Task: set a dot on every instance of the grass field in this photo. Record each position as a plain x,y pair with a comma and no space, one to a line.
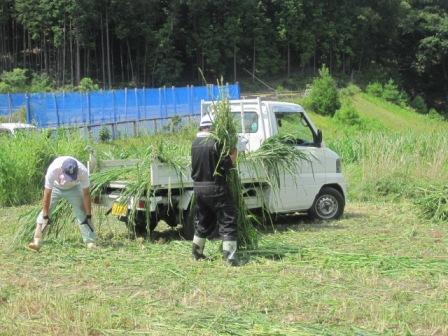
381,270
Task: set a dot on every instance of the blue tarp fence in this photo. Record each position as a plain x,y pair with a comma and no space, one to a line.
62,109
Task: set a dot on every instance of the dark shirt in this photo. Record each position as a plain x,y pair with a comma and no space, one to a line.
205,157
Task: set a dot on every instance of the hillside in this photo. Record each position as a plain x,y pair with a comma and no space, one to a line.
388,116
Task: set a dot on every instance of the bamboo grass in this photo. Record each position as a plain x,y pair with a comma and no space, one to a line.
61,225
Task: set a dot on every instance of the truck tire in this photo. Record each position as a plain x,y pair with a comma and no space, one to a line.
329,204
139,225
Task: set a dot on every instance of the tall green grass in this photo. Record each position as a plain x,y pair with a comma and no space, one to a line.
24,159
388,166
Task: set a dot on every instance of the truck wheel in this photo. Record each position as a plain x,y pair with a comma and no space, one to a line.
329,204
188,224
139,225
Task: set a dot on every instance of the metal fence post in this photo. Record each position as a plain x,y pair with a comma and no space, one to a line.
136,125
10,107
173,91
114,125
160,103
164,99
89,110
144,102
28,108
58,121
126,103
89,113
190,99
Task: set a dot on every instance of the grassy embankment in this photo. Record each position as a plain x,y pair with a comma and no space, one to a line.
382,269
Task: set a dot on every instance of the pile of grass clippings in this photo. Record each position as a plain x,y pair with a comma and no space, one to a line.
433,200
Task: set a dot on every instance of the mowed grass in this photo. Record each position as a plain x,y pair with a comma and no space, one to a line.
381,270
387,117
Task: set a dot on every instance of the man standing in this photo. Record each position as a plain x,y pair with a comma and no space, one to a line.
67,178
214,203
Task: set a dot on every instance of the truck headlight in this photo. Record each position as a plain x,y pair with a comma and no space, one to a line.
338,166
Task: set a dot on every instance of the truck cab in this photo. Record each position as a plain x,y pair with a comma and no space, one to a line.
318,185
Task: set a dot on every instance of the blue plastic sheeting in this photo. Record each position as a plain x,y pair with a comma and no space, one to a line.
11,103
94,108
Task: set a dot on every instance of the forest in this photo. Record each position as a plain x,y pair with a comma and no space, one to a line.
154,43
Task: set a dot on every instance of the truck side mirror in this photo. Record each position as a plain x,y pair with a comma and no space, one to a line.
318,138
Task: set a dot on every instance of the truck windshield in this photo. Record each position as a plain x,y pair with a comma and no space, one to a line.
294,124
250,122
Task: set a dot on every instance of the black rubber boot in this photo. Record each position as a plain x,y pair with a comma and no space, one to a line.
230,258
229,249
196,252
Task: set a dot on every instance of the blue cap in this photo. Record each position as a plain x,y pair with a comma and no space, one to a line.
70,169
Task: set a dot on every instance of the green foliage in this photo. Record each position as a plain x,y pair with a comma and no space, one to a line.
104,134
433,114
24,160
392,94
41,83
418,103
349,91
150,43
174,125
18,116
389,92
375,89
18,80
324,97
14,81
391,166
348,115
87,84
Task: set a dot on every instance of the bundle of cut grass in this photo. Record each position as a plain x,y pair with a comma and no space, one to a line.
276,157
433,201
61,224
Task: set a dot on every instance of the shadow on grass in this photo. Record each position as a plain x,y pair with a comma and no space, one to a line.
275,251
296,222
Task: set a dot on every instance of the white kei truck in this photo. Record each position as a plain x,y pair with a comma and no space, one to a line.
316,187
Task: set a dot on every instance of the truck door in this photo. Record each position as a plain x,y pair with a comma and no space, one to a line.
297,191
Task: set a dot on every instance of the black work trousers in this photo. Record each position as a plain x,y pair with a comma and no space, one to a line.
215,206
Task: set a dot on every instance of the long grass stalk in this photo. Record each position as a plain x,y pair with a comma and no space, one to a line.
61,225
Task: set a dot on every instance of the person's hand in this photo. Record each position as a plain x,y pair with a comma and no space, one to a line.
233,156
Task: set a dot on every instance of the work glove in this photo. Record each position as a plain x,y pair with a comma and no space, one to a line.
43,221
42,224
241,144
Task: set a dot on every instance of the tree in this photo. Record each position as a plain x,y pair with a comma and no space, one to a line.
324,97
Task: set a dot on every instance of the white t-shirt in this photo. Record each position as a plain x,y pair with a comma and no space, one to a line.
55,176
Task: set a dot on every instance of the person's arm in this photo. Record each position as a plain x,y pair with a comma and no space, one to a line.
46,202
87,201
233,156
